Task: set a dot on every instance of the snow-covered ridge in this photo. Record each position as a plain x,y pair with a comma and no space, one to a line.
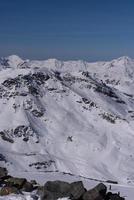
68,116
15,60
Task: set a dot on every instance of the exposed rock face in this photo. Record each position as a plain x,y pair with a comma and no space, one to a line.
22,131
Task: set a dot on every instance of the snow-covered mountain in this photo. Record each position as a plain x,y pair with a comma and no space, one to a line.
74,117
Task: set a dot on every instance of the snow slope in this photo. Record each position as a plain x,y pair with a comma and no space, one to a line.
71,116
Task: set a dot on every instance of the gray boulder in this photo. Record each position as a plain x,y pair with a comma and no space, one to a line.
3,172
53,190
60,187
77,190
97,193
45,194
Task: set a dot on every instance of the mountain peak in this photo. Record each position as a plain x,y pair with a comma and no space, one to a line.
124,58
14,59
11,61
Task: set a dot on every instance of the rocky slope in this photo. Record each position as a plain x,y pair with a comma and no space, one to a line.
72,116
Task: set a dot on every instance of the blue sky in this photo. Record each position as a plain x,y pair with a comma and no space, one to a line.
67,29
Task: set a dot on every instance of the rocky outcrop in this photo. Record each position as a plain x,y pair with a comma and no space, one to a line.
24,132
52,190
10,184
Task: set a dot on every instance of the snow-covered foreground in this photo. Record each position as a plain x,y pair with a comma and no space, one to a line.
23,197
72,116
17,197
126,191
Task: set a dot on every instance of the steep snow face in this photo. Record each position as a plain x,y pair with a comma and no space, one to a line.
74,117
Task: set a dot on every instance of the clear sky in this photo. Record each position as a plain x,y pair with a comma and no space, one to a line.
67,29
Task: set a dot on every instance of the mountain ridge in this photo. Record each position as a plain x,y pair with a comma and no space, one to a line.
15,59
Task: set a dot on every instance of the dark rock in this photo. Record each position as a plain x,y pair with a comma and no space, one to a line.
86,101
77,190
33,90
58,186
111,181
33,182
23,131
27,187
58,189
120,101
57,75
6,137
52,89
16,182
9,83
8,190
102,189
20,131
102,88
3,158
115,196
37,113
86,74
109,117
3,180
25,139
45,194
3,172
97,193
42,165
40,77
